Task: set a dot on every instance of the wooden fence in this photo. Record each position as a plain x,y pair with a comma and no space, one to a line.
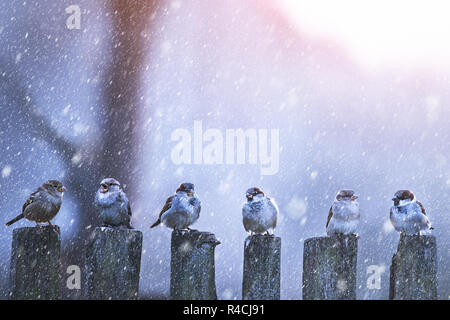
113,258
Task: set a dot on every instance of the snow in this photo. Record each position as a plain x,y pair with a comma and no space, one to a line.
231,65
6,171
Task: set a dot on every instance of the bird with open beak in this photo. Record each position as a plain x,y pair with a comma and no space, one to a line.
259,213
113,205
343,217
181,209
408,215
43,204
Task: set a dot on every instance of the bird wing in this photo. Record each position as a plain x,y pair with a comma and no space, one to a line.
123,197
422,208
246,213
273,206
129,209
247,223
167,206
330,214
195,202
199,208
30,199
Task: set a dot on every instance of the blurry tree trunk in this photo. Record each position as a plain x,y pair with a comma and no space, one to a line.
130,35
115,155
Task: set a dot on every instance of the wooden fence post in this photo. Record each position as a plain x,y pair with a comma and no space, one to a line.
414,269
192,269
35,263
113,262
261,277
329,268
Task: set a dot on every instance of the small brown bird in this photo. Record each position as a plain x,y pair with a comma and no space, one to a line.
259,213
343,217
181,209
113,205
43,204
408,215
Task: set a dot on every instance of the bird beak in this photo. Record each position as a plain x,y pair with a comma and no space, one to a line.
62,189
394,199
353,198
249,196
104,188
190,194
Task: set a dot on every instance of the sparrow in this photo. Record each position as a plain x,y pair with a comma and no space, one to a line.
259,213
113,205
408,215
181,209
343,217
43,204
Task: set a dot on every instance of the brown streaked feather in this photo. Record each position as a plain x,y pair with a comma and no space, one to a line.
129,209
166,207
330,214
30,200
422,208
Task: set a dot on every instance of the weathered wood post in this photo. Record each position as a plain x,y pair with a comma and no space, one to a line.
262,258
113,263
192,269
35,263
329,268
414,269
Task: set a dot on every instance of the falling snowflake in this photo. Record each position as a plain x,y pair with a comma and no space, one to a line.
6,171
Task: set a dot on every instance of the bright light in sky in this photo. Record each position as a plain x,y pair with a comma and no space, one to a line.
404,33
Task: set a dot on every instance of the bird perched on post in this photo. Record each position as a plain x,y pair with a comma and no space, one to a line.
113,205
259,213
181,209
343,217
408,215
43,204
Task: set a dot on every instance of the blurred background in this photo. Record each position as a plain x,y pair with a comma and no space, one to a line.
358,92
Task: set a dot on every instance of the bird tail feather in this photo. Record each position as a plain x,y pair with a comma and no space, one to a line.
156,223
20,216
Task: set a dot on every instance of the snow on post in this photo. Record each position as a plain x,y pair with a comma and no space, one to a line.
329,268
35,263
414,269
262,258
113,262
192,269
